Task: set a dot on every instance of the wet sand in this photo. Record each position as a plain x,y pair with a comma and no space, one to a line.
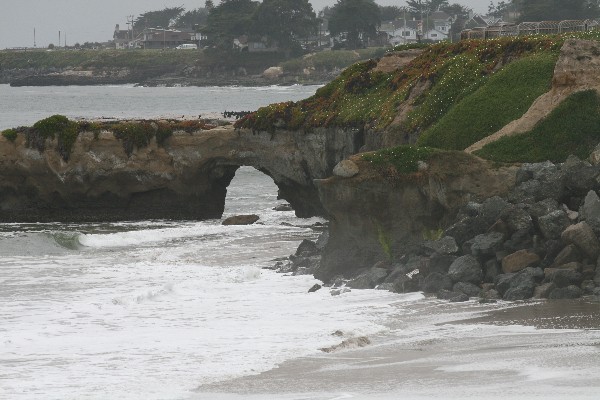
544,350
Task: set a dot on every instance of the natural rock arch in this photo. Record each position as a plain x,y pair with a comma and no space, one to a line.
184,178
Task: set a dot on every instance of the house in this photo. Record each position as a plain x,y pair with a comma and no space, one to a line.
159,38
121,38
442,23
242,43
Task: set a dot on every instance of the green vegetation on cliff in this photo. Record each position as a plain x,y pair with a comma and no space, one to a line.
572,128
504,97
425,89
133,134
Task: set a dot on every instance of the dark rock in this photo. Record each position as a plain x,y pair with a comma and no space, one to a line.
582,236
445,245
566,277
466,228
567,255
519,260
315,287
435,281
580,176
491,270
553,224
542,208
322,240
503,282
441,263
551,249
588,272
465,269
543,291
521,288
241,220
517,219
369,279
453,297
283,207
410,282
588,287
487,244
467,288
307,248
569,292
492,208
519,240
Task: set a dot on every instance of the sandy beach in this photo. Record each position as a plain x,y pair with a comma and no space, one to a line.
438,350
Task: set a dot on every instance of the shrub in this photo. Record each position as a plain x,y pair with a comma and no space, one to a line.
133,134
404,159
10,134
56,126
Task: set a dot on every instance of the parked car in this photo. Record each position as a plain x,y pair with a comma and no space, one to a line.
187,46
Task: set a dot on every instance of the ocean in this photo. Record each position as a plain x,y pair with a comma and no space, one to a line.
153,309
170,310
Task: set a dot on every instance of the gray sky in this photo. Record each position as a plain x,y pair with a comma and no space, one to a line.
95,20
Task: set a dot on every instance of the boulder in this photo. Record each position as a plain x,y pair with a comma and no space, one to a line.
283,207
594,158
490,270
241,220
565,277
369,279
518,286
519,240
445,245
519,260
273,72
569,292
307,248
435,281
543,291
467,288
346,169
582,236
441,263
465,269
567,255
492,208
542,208
588,287
453,297
591,206
553,224
486,245
517,219
322,240
314,288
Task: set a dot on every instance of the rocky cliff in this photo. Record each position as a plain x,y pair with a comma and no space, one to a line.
185,177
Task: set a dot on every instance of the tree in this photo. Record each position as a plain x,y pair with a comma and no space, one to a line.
285,21
556,10
153,19
425,6
457,10
356,18
188,19
209,5
228,20
390,13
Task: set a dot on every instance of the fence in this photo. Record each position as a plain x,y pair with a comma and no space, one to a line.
531,28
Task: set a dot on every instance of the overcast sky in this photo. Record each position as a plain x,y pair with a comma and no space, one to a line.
95,20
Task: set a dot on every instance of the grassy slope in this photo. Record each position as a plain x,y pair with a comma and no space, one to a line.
504,97
572,128
362,96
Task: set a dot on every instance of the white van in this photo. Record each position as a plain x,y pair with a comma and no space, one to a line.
187,46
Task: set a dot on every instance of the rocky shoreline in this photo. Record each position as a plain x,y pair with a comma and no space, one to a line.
539,240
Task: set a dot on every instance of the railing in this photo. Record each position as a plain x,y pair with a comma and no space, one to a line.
531,28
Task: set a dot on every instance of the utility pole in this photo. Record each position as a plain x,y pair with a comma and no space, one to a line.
58,38
34,43
130,28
